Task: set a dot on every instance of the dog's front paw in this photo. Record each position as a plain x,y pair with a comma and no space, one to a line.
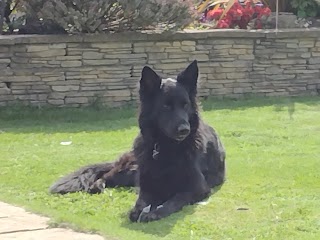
97,187
149,217
134,214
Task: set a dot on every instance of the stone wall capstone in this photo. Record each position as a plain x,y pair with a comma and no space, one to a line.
75,71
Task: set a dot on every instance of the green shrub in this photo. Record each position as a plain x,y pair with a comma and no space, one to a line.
91,16
305,8
9,19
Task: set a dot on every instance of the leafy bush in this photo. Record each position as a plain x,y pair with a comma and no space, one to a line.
90,16
81,15
19,14
172,13
8,22
305,8
2,13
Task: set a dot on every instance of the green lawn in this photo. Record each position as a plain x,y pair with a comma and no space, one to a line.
273,170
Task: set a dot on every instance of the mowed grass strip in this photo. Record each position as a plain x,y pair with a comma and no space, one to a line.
273,170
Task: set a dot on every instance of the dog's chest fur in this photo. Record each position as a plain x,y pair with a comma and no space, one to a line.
168,172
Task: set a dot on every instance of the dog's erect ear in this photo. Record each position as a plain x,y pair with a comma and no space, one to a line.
189,77
150,81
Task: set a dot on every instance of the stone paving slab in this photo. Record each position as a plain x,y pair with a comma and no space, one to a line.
50,234
16,223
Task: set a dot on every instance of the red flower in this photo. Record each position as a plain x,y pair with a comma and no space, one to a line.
266,11
258,24
239,15
263,12
214,14
248,11
236,5
235,13
223,24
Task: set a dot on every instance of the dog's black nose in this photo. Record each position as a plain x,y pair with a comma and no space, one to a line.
184,130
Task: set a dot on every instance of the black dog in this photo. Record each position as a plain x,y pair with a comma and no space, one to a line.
179,158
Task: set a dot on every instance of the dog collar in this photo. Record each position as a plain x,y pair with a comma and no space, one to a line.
156,151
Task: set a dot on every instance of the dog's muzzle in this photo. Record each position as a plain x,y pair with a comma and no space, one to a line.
183,131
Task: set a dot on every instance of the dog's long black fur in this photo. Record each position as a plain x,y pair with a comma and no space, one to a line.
178,157
94,178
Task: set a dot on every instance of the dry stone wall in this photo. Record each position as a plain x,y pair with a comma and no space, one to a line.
77,71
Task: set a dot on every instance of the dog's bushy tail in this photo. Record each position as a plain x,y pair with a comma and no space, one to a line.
82,179
94,178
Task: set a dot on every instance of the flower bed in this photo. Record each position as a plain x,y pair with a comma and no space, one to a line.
234,14
53,17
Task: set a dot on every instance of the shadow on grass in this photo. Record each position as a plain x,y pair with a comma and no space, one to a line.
19,119
167,223
279,103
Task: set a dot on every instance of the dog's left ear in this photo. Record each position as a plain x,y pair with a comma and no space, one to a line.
189,77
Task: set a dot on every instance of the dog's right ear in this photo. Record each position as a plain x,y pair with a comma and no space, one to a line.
150,81
189,77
